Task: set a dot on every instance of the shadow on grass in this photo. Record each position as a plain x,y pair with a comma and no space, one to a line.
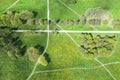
41,50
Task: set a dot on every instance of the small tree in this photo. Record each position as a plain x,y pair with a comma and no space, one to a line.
5,19
33,54
25,14
13,45
11,54
31,22
42,60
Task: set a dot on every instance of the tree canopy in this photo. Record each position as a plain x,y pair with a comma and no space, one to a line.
35,55
11,44
15,19
95,45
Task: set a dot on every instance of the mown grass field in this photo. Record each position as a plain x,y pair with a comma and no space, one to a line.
64,54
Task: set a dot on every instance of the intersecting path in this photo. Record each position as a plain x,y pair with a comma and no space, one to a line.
33,71
77,68
11,6
105,68
74,42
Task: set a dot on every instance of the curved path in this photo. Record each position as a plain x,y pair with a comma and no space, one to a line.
11,6
48,18
76,68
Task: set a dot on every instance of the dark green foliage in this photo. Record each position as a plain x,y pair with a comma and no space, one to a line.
30,22
35,53
11,44
9,20
34,13
15,19
97,44
25,14
41,50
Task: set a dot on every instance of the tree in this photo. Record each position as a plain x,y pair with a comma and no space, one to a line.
11,54
15,22
15,19
30,22
13,45
10,20
5,19
42,60
96,45
26,14
33,54
2,23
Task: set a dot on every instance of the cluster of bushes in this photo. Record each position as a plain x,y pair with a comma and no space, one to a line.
11,44
96,45
28,18
15,48
15,19
35,54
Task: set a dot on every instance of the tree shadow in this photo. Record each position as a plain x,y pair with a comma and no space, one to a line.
47,57
41,50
